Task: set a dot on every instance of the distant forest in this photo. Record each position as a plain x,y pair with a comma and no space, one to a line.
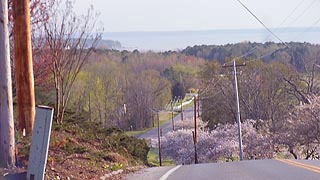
299,55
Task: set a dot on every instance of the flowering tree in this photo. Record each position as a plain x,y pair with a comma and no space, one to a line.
189,124
178,145
220,144
258,144
301,131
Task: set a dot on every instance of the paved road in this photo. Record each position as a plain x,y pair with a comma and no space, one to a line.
245,170
167,127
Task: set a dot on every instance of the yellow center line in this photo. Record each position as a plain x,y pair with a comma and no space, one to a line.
300,165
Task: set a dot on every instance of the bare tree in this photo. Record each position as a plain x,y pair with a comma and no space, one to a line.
7,145
70,39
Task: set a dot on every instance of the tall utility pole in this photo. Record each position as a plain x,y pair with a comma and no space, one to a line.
23,65
195,131
172,115
198,105
181,109
237,105
195,118
7,141
159,139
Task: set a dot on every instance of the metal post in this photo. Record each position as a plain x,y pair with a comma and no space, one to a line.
40,143
237,108
159,139
23,65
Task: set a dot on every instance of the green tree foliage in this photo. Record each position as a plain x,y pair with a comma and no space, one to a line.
182,78
299,55
147,92
121,92
178,91
98,93
262,90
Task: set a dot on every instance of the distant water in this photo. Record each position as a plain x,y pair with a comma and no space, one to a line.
177,40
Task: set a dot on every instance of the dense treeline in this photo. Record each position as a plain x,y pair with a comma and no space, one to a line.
299,55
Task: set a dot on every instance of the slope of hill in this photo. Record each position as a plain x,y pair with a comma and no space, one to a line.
84,150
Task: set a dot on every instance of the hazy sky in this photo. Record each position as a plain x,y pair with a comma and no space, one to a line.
173,15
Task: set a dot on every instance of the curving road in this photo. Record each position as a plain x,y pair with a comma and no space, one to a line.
244,170
188,113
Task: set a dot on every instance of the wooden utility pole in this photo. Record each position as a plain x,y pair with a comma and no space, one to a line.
234,66
23,65
7,141
195,131
195,118
172,115
159,139
181,109
198,105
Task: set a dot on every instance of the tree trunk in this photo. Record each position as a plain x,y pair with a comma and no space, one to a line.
292,152
7,142
57,105
23,65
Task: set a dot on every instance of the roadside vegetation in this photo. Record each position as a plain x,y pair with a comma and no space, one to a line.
103,98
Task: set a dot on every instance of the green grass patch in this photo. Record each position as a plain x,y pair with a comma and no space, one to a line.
178,102
164,117
153,159
189,105
136,133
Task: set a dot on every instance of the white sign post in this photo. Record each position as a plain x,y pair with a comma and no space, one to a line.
40,143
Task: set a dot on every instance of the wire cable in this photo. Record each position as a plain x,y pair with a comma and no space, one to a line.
285,19
262,23
292,12
304,12
308,29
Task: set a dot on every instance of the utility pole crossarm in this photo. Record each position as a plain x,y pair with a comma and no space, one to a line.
237,65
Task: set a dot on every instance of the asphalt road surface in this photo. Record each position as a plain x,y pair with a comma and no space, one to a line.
188,113
245,170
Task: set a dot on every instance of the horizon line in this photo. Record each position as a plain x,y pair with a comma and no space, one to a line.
207,30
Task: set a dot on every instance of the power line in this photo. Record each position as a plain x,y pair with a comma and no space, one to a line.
250,51
292,12
308,29
285,19
304,12
262,23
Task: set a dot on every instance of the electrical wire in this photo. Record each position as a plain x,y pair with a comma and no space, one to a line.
304,12
283,22
285,19
262,23
292,12
308,29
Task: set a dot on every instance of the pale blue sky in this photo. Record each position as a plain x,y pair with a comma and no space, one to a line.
174,15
